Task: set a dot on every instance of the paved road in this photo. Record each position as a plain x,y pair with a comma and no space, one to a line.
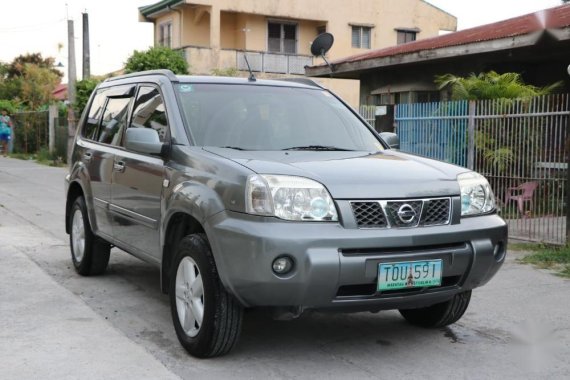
55,324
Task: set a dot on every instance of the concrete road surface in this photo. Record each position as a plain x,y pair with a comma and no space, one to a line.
55,324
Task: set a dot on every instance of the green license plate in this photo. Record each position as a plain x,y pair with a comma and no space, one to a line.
409,274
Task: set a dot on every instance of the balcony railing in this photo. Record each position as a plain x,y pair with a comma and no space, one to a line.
273,62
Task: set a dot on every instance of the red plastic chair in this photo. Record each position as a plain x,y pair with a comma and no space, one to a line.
522,193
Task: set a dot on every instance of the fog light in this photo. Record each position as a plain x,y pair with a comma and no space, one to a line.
499,251
282,265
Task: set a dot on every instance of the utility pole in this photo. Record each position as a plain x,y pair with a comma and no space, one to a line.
71,79
86,52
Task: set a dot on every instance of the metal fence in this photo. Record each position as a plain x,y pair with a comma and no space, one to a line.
31,134
519,145
368,113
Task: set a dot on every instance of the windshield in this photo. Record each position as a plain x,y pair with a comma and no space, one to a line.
253,117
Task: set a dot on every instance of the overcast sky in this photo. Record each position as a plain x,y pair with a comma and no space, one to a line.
40,26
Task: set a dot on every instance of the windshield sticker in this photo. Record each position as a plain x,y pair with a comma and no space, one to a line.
185,88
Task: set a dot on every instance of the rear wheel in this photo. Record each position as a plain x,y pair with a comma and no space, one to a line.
206,318
441,314
89,253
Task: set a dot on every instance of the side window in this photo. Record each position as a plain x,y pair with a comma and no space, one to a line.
114,120
149,112
89,129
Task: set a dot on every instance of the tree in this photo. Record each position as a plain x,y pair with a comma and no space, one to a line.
37,86
157,57
84,88
16,68
490,85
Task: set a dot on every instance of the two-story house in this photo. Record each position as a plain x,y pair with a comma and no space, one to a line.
276,35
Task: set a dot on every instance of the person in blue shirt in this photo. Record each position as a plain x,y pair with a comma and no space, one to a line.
5,131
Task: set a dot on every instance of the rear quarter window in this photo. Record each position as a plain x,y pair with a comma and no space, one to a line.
89,130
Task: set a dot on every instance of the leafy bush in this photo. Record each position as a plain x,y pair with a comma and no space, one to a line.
158,57
8,105
83,89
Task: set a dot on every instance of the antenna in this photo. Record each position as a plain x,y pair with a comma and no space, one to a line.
251,75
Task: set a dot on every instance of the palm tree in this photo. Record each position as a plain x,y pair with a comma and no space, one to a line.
490,85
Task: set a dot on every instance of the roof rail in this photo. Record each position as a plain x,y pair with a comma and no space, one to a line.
167,73
305,81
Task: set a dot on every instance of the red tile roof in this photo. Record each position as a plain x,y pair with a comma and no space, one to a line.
552,18
60,92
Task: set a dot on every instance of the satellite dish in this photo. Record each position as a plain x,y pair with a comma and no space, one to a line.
322,44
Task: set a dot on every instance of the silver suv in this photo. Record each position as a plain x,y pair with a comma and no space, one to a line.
251,193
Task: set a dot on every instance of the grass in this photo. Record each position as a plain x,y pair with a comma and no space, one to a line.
546,257
42,157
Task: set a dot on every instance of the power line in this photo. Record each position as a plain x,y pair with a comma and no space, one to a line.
30,28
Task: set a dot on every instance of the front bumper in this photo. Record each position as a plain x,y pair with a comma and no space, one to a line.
337,267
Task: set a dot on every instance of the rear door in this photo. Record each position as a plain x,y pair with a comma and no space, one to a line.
101,134
137,180
99,164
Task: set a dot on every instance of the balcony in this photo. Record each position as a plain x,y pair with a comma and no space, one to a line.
274,63
203,59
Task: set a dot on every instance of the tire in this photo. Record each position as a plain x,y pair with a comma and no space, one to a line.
89,253
221,314
441,314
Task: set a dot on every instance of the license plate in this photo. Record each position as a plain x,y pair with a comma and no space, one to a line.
409,274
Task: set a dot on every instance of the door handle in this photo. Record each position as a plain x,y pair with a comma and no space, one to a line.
87,156
119,166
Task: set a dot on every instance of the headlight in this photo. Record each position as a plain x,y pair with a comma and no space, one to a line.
476,194
290,198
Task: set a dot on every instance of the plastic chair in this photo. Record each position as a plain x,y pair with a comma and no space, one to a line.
522,193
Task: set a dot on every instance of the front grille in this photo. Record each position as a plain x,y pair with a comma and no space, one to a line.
437,212
393,209
401,213
369,215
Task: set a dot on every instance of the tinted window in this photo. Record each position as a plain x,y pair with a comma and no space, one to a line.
89,129
271,118
114,120
149,112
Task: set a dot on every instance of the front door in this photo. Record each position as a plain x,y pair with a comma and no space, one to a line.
137,181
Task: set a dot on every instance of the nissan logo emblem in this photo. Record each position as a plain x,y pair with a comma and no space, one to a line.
406,214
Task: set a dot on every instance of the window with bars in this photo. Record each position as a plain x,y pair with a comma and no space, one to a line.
165,34
282,37
406,36
361,37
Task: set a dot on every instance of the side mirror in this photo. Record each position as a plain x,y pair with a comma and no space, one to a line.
143,140
391,139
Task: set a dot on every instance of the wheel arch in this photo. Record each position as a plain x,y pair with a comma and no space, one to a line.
179,224
75,191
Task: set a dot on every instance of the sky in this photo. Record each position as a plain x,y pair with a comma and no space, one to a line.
40,26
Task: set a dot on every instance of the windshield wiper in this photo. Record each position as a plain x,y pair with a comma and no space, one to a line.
317,147
232,147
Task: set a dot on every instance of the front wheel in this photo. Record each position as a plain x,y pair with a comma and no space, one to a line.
441,314
89,253
206,318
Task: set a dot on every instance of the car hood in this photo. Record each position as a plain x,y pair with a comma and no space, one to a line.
356,175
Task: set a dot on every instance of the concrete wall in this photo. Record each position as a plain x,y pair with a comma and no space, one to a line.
196,27
229,30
